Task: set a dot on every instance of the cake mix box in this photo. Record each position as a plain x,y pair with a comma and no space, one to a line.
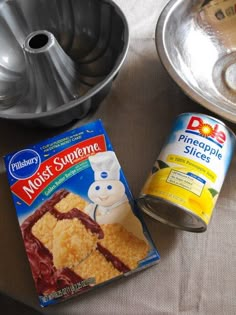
79,222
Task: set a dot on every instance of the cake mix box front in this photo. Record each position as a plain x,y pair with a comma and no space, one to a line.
79,222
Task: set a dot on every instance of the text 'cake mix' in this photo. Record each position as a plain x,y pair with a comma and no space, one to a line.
77,216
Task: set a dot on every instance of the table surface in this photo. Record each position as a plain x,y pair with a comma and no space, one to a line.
197,272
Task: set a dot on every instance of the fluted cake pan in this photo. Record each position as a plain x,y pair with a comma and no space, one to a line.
58,58
196,42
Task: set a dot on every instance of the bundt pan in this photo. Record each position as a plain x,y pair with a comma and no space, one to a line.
58,58
196,42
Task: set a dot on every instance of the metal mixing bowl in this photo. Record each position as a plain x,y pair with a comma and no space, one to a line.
58,58
196,42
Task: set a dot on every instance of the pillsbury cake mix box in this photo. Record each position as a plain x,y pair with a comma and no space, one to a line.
78,219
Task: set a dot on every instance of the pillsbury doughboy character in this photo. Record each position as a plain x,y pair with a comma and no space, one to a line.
109,202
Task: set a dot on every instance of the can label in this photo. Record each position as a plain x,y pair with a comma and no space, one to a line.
192,165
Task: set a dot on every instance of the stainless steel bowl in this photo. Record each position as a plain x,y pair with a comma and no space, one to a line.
196,42
58,58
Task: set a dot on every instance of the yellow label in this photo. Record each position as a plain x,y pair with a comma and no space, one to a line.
182,187
177,159
191,167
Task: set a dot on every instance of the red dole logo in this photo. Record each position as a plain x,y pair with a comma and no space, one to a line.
198,126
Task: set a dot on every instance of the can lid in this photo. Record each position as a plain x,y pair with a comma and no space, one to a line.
171,214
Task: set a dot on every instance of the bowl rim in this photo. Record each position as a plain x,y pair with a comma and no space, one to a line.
163,55
94,90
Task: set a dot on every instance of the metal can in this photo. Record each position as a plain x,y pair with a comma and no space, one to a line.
187,176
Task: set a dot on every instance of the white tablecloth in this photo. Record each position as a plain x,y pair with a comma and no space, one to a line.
197,272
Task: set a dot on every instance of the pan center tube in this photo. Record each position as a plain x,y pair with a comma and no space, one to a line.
53,77
38,41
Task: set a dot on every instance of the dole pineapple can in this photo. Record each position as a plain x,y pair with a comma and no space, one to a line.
189,172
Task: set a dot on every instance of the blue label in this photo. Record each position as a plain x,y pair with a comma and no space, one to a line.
24,164
196,177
